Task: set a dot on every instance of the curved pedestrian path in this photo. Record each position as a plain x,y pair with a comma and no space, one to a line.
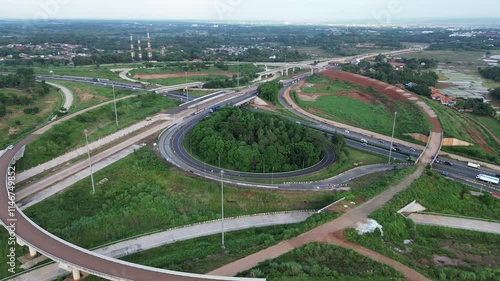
143,243
455,222
68,95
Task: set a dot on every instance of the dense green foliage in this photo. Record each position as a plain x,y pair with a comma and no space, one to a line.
99,122
143,195
491,72
269,91
22,79
202,255
323,262
443,196
256,142
385,72
478,106
495,93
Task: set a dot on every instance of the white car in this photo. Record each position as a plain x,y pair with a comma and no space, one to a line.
10,146
347,131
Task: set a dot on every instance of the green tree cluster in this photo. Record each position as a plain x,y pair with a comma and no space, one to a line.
495,93
256,142
269,91
491,72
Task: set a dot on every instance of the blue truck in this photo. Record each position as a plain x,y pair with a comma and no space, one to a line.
214,109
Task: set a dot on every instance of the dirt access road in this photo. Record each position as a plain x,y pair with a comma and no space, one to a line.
331,233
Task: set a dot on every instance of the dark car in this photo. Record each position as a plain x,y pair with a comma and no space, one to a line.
448,163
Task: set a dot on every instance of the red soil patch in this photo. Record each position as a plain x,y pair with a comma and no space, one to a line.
476,136
358,96
177,75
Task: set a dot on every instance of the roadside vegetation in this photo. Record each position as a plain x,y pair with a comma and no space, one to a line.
456,125
87,95
99,122
323,262
360,107
475,255
205,254
144,195
246,141
24,105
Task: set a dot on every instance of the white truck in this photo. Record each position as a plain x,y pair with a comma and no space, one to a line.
473,165
488,179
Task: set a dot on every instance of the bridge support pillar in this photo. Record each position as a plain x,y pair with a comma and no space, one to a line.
76,274
286,72
32,252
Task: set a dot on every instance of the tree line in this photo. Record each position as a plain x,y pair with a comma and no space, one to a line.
269,91
23,79
256,142
491,72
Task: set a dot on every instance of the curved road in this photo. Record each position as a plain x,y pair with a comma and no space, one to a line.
68,96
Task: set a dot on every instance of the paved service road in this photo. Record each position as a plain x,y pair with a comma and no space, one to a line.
460,223
68,96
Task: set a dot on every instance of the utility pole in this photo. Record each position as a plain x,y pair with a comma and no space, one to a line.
222,205
116,111
187,89
90,162
392,138
238,73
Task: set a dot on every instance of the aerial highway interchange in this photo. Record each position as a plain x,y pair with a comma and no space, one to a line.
76,259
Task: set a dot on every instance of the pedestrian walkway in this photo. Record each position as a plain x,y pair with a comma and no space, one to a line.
68,95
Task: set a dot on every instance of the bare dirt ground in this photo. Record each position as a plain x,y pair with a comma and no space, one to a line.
478,138
177,75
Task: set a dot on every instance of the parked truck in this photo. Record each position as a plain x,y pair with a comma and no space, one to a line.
473,165
488,179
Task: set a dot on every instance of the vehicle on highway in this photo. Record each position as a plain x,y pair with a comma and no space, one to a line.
347,131
364,144
488,179
381,141
96,79
214,109
444,173
10,146
473,165
395,145
364,141
413,149
448,163
411,158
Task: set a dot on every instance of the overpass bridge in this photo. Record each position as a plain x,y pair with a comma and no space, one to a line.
284,69
166,89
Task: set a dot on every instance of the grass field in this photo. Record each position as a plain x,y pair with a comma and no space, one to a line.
455,125
87,95
82,71
478,253
374,117
204,254
143,195
493,125
324,85
99,122
323,262
371,110
16,124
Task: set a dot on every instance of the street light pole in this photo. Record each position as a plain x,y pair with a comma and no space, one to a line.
90,162
222,205
187,89
392,138
238,73
116,111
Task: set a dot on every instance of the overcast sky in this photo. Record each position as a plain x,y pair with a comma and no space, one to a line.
382,11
